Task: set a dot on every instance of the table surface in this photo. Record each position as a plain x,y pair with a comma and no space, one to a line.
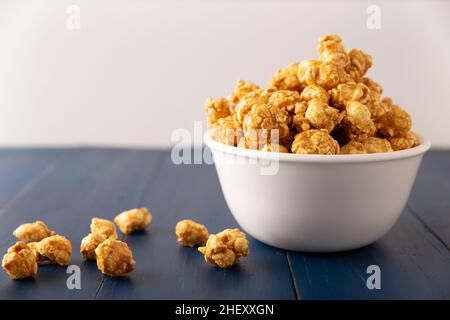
67,187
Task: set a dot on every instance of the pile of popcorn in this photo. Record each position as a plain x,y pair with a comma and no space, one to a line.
326,106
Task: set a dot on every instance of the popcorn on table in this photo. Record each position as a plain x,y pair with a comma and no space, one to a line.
332,93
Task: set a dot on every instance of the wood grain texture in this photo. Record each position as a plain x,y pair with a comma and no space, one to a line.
20,167
167,270
430,197
89,183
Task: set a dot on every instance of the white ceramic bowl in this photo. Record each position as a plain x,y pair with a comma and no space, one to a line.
316,203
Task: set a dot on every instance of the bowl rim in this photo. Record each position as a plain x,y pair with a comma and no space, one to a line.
340,158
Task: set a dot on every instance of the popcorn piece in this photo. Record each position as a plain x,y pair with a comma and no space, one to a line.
322,116
299,121
32,232
55,249
331,49
357,122
114,258
353,147
258,97
286,79
249,144
191,233
409,140
216,109
34,246
396,122
377,145
89,244
315,141
227,130
376,106
266,122
20,261
360,62
326,74
314,91
225,248
104,227
285,100
307,71
241,89
133,220
274,147
346,92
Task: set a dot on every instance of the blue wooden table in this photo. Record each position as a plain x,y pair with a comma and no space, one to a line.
66,187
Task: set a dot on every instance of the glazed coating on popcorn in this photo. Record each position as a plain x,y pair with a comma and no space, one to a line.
216,109
225,248
34,246
114,258
315,141
32,232
274,147
89,244
227,130
133,220
190,233
104,227
55,249
332,93
20,261
376,145
266,122
241,89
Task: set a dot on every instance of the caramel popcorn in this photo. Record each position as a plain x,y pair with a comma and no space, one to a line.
89,244
114,258
225,248
376,145
332,93
133,220
104,227
55,249
191,233
286,79
34,246
32,232
241,89
20,261
315,141
322,116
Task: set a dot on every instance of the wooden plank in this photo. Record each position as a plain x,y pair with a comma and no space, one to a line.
166,270
413,264
430,197
88,183
20,167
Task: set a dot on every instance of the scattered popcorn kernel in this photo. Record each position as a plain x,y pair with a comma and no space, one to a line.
315,141
258,97
357,122
409,140
376,145
349,91
20,261
322,116
133,220
89,244
227,131
34,246
216,109
396,122
104,227
191,233
286,79
114,258
266,122
225,248
360,62
55,249
32,232
274,147
241,89
353,147
331,49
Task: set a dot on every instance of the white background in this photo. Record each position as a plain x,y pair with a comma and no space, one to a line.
137,70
